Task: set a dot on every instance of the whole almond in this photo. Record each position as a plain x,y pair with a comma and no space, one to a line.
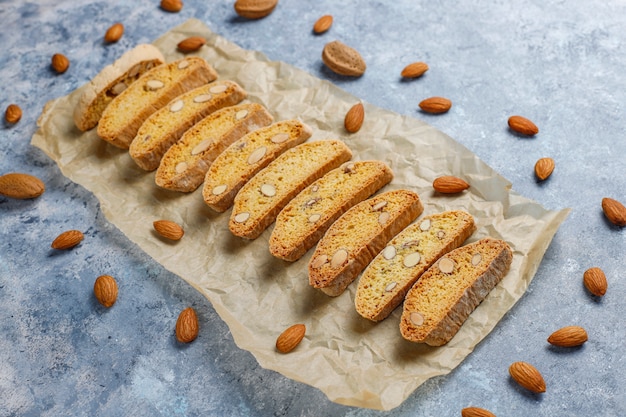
435,105
105,290
476,412
168,229
544,168
21,186
354,118
414,70
449,184
67,239
523,125
255,9
114,33
343,59
569,336
595,281
614,211
290,338
323,24
191,44
13,113
527,376
187,326
60,63
172,6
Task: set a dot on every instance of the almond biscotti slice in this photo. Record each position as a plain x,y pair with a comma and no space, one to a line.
124,115
167,125
357,236
386,280
260,200
303,222
185,164
111,81
247,156
440,302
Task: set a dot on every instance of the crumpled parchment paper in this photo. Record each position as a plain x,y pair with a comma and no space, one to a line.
353,361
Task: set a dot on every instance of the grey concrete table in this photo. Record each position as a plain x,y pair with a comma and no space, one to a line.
559,63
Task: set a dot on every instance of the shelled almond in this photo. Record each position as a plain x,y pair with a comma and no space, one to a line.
21,186
595,281
323,24
187,326
172,6
614,211
354,118
290,338
13,113
527,376
523,125
569,336
414,70
191,44
67,240
60,63
114,33
450,185
105,290
435,105
168,229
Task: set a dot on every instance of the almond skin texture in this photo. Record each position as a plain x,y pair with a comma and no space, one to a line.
168,229
569,336
594,280
21,186
114,33
187,326
105,290
354,118
414,70
476,412
60,63
255,9
544,168
13,113
191,44
323,24
290,338
614,211
343,60
450,185
527,376
67,240
523,125
435,105
172,6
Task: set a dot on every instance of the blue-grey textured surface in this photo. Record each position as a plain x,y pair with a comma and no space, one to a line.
559,63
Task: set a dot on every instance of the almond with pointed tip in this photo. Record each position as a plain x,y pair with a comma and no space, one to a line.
476,412
569,336
168,229
343,59
172,6
323,24
13,113
187,326
449,184
435,105
255,9
523,125
105,290
60,63
614,211
290,338
354,118
414,70
114,33
191,44
67,240
21,186
594,280
527,376
544,168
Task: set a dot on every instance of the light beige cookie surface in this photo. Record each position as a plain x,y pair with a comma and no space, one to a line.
124,115
357,236
260,200
112,81
303,222
186,163
439,303
247,156
167,125
386,280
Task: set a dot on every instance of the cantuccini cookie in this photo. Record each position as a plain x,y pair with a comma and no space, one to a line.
186,163
167,125
247,156
124,115
357,236
386,280
444,297
260,200
111,81
303,222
